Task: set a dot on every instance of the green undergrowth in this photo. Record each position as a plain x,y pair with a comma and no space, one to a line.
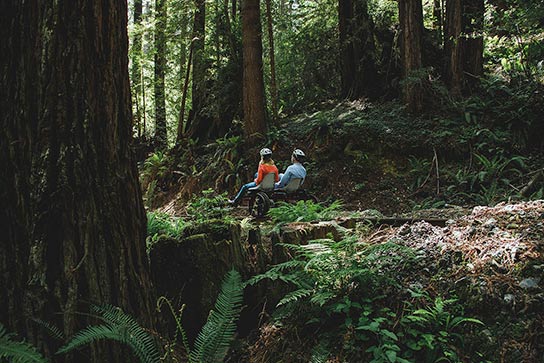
304,211
480,149
208,208
211,345
352,302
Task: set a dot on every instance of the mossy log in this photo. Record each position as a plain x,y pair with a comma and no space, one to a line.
189,270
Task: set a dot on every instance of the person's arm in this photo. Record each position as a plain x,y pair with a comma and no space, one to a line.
277,177
260,174
285,178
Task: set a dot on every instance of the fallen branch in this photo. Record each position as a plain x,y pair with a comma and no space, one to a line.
533,184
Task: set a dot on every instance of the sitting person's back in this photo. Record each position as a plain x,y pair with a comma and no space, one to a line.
294,171
266,166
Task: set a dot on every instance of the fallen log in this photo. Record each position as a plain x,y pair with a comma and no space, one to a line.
534,183
390,221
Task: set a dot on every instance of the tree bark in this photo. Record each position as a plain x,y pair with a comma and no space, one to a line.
77,227
273,85
366,76
437,19
473,20
136,70
160,70
253,84
20,47
357,48
453,48
411,24
345,16
181,117
198,123
463,44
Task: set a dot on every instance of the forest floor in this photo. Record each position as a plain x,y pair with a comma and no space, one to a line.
369,157
379,162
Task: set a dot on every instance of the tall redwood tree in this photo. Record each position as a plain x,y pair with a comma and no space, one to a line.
160,72
411,24
72,206
253,83
357,50
463,43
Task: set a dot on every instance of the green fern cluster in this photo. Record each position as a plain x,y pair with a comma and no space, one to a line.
211,345
216,336
163,224
209,206
120,327
489,181
326,269
155,167
304,211
432,333
17,351
334,285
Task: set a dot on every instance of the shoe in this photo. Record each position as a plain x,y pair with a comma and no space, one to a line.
232,203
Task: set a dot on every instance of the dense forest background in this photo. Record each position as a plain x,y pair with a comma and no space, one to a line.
188,61
125,126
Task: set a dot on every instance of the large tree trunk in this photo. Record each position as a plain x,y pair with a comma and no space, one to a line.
273,86
19,74
463,44
357,48
184,69
411,24
366,76
78,220
347,61
160,70
136,71
253,84
453,48
437,19
473,22
198,123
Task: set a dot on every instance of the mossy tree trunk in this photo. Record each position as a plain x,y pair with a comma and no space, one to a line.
74,212
463,44
411,24
271,55
357,50
136,69
198,122
160,70
253,84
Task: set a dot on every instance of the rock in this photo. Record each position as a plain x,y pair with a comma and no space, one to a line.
529,283
491,223
509,299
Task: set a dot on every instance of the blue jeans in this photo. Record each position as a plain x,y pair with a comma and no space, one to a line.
243,191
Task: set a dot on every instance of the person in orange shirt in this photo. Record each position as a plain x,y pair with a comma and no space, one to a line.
266,165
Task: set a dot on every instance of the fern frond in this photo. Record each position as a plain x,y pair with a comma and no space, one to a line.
120,327
322,297
213,341
294,296
177,318
52,330
17,352
320,354
279,272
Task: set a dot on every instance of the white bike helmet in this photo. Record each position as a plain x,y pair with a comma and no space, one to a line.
265,152
299,154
